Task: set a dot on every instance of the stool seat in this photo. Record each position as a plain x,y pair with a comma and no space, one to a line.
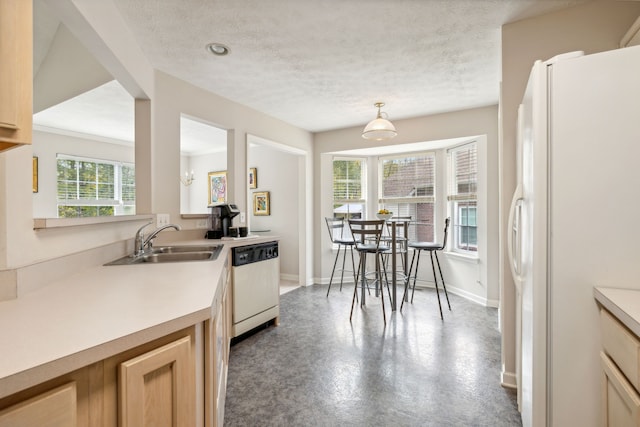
432,248
425,245
371,248
341,241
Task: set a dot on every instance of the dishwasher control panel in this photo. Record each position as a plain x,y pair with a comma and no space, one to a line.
243,255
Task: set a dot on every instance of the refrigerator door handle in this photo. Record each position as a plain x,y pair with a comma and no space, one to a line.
513,236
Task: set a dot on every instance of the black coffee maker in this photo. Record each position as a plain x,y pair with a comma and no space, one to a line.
220,219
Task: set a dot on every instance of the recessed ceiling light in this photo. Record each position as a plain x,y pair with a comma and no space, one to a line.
218,49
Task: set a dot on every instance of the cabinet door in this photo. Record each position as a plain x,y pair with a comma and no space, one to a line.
157,388
621,402
217,339
16,51
55,408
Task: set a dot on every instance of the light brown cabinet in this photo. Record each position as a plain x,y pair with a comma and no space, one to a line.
54,408
16,82
217,343
160,371
160,383
156,389
620,360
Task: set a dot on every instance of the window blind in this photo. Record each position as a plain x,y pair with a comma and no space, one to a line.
464,161
89,187
407,188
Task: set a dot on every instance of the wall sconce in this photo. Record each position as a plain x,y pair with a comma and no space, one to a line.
187,179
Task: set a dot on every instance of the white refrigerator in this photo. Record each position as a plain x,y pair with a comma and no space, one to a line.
571,225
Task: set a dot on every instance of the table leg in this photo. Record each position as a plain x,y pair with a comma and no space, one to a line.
393,268
405,254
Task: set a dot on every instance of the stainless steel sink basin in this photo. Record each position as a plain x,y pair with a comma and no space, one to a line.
164,254
184,249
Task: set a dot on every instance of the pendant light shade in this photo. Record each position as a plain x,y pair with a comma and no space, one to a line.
379,129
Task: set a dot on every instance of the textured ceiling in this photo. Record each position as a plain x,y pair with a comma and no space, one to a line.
321,64
317,65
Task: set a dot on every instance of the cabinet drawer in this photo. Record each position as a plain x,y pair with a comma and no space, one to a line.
55,408
621,402
622,346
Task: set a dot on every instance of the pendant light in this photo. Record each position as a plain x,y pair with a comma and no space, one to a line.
379,129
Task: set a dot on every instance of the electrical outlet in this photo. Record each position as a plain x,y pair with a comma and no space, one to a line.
243,218
162,219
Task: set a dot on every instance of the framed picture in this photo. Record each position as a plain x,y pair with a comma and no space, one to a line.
35,175
253,178
261,203
217,187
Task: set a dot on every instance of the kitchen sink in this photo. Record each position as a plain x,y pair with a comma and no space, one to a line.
184,249
164,254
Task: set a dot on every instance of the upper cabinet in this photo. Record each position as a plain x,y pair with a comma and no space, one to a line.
16,54
632,37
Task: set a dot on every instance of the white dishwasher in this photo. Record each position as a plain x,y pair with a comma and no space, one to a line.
256,286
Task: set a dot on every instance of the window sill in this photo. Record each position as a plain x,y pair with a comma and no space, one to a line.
471,259
48,223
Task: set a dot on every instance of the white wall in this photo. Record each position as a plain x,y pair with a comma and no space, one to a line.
194,199
278,173
474,279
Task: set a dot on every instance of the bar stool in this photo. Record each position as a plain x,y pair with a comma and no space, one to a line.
336,229
433,249
366,236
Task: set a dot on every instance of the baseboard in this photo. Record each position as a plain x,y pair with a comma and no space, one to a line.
325,280
508,380
290,277
422,284
461,293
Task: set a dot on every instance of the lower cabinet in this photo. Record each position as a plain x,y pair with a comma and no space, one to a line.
217,341
157,384
621,400
73,399
156,389
54,408
620,373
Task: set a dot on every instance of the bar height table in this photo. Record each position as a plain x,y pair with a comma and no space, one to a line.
394,279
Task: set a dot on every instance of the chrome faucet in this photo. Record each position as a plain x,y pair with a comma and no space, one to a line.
142,244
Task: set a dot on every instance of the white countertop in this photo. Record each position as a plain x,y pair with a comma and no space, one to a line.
624,304
103,311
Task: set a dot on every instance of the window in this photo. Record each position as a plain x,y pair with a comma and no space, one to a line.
88,187
463,183
348,188
407,188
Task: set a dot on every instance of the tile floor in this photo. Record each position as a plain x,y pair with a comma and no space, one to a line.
319,369
288,286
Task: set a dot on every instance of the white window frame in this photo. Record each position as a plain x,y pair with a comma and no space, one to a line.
117,202
458,201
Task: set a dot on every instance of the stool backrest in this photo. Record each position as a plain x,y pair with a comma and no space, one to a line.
335,227
366,229
446,232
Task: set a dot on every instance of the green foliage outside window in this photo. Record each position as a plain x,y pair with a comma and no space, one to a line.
88,188
347,175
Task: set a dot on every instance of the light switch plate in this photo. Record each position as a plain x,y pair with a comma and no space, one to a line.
242,218
162,219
